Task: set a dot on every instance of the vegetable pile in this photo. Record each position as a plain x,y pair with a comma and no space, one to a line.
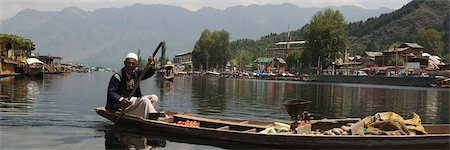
188,123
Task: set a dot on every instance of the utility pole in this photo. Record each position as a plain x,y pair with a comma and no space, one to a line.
318,66
396,60
396,57
240,59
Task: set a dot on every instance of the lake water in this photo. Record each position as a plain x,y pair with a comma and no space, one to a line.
57,112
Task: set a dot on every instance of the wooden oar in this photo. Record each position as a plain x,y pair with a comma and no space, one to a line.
139,80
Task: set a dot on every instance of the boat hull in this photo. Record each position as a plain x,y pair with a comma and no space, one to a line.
435,141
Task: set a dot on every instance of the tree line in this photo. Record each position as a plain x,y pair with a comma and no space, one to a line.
14,42
327,34
212,50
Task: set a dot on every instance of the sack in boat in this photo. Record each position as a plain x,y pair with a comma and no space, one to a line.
388,127
389,122
414,124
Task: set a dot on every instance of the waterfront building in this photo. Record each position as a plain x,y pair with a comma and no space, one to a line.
183,62
183,58
368,58
282,49
52,64
412,54
11,58
270,64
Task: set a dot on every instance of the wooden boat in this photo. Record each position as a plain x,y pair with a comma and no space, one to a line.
167,72
247,131
34,68
8,75
442,83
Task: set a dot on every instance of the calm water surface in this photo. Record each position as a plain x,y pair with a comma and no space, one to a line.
57,112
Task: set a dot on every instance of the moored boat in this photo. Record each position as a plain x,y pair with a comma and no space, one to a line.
167,72
34,68
442,83
248,131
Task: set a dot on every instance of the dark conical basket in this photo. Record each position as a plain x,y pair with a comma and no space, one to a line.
295,108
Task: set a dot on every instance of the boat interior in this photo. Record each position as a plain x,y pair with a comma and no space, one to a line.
242,125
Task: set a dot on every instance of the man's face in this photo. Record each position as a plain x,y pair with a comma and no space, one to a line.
130,64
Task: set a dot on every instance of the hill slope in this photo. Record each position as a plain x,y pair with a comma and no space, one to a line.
396,27
105,35
403,24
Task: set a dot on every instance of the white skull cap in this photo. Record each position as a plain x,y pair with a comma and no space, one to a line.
132,55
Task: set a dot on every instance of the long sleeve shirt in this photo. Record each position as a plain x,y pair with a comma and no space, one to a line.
121,84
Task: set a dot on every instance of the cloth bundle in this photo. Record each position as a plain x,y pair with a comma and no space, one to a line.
390,123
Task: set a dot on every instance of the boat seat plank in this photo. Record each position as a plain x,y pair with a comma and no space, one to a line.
244,122
251,130
224,128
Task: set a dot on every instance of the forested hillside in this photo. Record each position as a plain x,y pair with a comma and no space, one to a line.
379,33
401,25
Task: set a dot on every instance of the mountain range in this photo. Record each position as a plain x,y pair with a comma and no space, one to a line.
105,35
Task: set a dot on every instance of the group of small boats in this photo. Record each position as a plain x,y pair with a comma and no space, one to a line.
442,83
34,67
251,132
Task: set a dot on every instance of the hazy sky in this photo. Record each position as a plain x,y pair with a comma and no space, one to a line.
9,8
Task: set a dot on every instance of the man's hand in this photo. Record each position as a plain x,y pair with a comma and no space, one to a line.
152,61
125,103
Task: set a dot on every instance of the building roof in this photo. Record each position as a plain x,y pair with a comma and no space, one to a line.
281,60
181,54
373,54
291,42
269,59
412,45
48,57
263,59
397,49
33,61
403,47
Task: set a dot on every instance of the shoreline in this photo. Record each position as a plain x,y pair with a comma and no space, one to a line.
376,80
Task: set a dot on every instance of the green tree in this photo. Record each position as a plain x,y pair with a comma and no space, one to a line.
431,40
16,43
141,62
243,57
212,50
396,60
293,59
163,59
373,46
446,58
326,36
199,53
445,37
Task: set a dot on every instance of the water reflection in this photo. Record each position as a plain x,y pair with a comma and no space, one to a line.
18,93
123,140
205,94
166,87
261,99
120,137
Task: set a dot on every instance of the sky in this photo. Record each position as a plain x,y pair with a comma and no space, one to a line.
9,8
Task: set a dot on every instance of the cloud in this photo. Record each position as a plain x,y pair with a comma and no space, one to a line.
9,8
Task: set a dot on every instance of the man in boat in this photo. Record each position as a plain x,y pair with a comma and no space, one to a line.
122,83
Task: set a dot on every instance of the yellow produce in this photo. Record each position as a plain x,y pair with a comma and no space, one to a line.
281,127
268,130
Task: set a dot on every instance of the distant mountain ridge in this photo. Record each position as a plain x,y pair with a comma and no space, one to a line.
105,35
